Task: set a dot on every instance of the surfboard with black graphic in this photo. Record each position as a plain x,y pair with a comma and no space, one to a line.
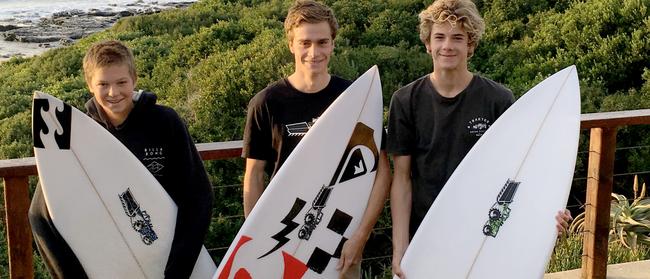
112,212
495,216
316,200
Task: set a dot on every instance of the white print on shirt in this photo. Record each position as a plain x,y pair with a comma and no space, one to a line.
299,129
478,126
155,155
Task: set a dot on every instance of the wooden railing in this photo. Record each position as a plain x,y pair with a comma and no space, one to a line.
602,145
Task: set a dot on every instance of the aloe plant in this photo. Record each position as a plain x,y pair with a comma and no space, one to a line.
629,222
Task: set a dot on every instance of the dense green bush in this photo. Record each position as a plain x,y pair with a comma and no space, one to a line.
208,60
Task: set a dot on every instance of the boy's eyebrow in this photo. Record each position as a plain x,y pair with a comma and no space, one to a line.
451,35
119,79
316,39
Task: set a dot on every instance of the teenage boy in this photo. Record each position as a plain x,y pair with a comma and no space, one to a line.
302,97
428,126
144,128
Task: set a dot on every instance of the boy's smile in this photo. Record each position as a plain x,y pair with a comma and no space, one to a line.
312,47
112,86
449,47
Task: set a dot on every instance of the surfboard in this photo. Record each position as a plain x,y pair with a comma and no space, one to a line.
494,218
317,199
112,212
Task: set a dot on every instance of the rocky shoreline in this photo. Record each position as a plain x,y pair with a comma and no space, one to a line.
26,39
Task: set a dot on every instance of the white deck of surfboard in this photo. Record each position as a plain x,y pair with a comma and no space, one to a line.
534,142
310,166
81,187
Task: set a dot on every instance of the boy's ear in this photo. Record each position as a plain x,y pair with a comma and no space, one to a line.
470,50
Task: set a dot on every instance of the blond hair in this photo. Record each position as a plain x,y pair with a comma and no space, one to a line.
108,53
310,12
463,12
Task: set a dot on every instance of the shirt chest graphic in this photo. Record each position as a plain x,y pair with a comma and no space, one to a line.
477,126
299,129
154,159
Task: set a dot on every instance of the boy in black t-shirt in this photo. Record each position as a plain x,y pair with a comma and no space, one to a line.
282,113
145,128
435,120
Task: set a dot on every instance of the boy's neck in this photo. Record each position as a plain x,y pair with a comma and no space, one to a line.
309,83
450,83
117,119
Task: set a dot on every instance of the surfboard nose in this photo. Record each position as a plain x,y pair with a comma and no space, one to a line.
40,95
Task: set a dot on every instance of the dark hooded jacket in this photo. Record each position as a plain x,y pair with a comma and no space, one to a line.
156,135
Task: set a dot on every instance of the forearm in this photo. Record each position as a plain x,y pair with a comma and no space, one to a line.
378,195
253,185
400,202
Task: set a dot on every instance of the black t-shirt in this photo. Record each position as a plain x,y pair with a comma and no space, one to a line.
438,132
280,115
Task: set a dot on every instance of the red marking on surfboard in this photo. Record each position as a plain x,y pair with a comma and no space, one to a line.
293,268
241,272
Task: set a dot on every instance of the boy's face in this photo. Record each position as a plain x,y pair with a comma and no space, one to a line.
112,86
312,47
449,47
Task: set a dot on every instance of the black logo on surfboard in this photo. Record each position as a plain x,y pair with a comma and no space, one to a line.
140,220
500,210
41,129
351,165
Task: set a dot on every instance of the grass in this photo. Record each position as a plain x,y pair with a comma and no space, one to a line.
568,254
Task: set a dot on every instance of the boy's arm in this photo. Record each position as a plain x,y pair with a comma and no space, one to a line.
400,204
353,247
253,183
57,255
194,197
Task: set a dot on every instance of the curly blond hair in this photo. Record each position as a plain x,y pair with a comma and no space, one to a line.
463,12
310,12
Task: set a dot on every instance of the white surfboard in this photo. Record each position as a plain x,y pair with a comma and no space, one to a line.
494,218
317,199
114,215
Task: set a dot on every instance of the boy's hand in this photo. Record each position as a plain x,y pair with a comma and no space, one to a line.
397,270
563,219
351,253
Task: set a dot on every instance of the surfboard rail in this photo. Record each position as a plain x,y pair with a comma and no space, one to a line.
603,126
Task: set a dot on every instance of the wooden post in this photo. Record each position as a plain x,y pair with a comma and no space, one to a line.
602,145
19,234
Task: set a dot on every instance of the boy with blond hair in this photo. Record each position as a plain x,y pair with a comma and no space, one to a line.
157,136
435,120
301,98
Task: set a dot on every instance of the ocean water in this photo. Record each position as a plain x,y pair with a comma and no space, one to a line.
29,11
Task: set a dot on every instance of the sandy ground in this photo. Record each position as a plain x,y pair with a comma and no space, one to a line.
10,49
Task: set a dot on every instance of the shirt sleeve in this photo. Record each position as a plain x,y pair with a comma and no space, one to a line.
257,143
55,252
401,133
505,103
193,195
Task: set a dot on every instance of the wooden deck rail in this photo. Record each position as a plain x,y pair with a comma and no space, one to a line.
603,126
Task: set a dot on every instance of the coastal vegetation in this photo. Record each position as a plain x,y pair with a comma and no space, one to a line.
208,60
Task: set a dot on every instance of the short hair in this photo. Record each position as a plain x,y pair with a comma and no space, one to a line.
310,12
108,53
463,12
